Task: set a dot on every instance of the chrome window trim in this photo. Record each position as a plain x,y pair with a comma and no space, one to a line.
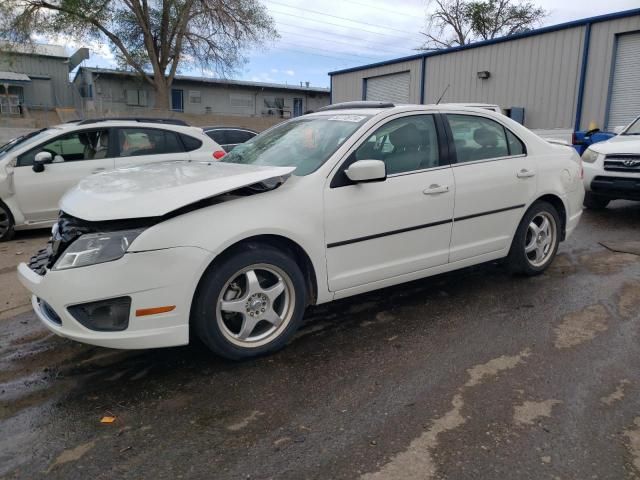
486,160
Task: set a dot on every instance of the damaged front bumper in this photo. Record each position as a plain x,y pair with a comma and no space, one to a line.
150,279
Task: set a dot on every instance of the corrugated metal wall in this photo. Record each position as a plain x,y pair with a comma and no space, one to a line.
539,73
58,94
348,86
599,68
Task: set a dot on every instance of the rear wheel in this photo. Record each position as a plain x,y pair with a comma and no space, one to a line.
250,303
6,223
595,202
536,241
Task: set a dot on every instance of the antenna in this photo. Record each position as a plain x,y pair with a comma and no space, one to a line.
445,91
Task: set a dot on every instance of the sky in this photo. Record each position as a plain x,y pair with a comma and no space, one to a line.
316,38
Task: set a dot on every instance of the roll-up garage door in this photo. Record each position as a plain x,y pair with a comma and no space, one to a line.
389,88
625,89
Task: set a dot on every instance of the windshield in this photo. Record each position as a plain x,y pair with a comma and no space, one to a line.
24,140
634,128
304,143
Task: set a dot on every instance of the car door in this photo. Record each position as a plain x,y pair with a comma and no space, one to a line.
495,180
379,230
75,155
138,146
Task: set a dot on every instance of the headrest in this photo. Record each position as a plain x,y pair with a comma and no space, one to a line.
485,137
407,136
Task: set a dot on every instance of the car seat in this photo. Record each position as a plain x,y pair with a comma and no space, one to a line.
488,140
406,156
103,146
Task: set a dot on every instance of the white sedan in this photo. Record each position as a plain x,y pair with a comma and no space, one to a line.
353,198
38,168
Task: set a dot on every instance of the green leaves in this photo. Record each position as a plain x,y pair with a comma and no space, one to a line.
152,37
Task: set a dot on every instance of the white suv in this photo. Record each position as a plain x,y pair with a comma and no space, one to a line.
349,199
612,168
36,169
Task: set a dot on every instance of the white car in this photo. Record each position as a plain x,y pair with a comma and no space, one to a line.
38,168
324,206
612,168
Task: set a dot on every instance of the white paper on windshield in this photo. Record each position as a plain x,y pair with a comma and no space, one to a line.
347,118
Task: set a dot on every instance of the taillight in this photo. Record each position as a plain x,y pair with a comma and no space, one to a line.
218,154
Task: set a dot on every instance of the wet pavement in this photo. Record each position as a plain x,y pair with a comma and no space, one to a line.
470,375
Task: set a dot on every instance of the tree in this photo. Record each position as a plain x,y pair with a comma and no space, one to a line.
460,22
152,37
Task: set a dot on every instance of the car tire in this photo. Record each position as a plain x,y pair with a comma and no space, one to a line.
535,243
7,224
595,202
249,303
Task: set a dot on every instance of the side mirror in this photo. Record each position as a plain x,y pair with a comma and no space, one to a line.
367,171
41,160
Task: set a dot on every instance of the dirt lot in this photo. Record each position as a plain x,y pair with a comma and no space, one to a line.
470,375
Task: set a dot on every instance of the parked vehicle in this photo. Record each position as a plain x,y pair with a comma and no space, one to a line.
355,197
582,140
612,168
229,137
36,169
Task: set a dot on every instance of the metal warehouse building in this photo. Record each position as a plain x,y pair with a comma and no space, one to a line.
564,76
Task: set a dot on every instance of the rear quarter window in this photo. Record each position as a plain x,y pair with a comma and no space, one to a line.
190,143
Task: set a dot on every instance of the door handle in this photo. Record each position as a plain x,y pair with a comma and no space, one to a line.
524,173
436,189
98,170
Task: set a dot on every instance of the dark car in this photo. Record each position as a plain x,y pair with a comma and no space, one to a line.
229,137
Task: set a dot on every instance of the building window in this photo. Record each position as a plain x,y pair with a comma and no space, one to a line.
137,98
274,106
194,97
239,100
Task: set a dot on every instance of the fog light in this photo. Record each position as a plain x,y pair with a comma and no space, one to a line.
110,315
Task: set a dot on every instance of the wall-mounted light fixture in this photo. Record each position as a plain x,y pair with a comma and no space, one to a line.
484,74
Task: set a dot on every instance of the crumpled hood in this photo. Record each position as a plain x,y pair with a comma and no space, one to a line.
153,190
628,145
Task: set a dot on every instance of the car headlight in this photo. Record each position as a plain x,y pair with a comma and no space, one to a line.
589,156
94,248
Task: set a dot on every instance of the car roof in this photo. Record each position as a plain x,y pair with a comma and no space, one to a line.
475,108
70,126
228,128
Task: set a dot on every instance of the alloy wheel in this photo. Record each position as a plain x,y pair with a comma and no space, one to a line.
255,305
5,222
540,239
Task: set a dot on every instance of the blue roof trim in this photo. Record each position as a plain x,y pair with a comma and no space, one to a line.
531,33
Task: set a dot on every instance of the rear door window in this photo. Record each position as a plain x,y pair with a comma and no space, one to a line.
477,138
218,136
147,141
239,136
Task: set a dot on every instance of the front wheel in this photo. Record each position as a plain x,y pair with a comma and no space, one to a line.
536,241
250,303
6,223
